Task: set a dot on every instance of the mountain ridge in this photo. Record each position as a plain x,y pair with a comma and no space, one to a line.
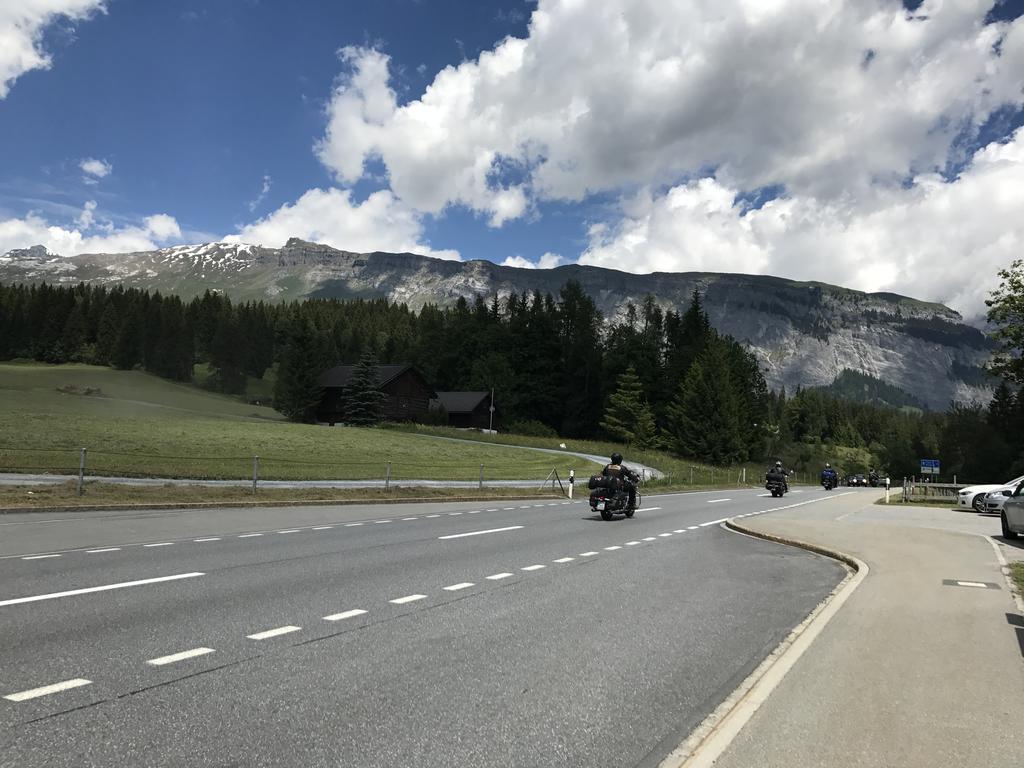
804,333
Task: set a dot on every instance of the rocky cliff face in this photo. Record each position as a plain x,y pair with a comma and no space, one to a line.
805,334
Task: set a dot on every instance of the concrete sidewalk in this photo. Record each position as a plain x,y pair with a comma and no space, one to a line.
911,671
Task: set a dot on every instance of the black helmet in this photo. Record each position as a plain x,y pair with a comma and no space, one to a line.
616,458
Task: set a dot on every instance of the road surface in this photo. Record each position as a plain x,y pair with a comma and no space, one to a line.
511,634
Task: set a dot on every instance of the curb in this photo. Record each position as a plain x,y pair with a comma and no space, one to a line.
712,737
264,503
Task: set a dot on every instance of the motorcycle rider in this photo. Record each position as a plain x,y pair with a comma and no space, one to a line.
628,477
779,473
829,473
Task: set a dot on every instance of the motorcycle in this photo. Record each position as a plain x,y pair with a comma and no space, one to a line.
610,496
873,479
775,482
828,482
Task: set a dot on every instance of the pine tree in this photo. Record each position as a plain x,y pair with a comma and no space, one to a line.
298,392
703,418
628,416
363,400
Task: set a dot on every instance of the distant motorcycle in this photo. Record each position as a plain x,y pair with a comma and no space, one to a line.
610,496
775,482
829,480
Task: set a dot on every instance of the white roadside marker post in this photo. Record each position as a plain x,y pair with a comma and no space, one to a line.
572,481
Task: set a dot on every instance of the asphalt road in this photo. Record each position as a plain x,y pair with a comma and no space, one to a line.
381,636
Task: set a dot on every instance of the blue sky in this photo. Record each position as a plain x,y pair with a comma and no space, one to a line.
646,135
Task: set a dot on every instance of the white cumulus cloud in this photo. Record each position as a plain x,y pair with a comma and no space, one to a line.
21,30
96,168
332,217
547,261
829,98
88,233
936,239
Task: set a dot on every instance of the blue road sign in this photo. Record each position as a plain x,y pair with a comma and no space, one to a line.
929,466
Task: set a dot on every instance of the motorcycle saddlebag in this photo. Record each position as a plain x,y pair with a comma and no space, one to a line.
605,481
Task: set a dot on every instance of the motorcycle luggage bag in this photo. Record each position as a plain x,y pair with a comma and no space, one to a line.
604,481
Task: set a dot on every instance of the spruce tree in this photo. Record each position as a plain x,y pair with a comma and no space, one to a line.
298,392
363,400
628,416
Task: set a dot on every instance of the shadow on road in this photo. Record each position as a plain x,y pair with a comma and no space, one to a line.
1017,543
1018,623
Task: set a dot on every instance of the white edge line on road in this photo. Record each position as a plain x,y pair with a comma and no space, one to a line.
268,633
460,585
39,557
406,599
498,576
1005,568
480,533
104,588
105,549
161,660
345,615
712,737
78,682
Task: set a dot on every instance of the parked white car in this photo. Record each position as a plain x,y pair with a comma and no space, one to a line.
973,496
1012,516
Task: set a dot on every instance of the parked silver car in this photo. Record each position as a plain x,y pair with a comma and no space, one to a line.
994,500
1012,516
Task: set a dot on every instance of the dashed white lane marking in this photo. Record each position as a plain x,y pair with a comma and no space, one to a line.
587,554
210,538
39,557
679,530
322,527
525,506
406,599
454,514
161,660
352,525
498,576
972,584
289,530
474,512
692,527
564,560
46,690
632,543
268,633
612,548
533,568
380,522
713,522
105,549
345,615
493,510
507,509
650,538
717,501
460,585
433,515
161,544
104,588
406,519
663,535
480,533
648,509
537,505
249,535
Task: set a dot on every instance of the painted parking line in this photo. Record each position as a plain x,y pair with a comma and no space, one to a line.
46,690
104,588
268,633
460,585
407,599
176,657
345,615
480,533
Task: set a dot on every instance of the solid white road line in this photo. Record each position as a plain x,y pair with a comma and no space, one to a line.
105,549
211,538
406,599
161,544
249,535
564,560
480,533
34,693
533,568
289,530
460,585
498,576
39,557
345,615
587,554
161,660
268,633
104,588
717,501
322,528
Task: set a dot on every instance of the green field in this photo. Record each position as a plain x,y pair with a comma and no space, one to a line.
135,424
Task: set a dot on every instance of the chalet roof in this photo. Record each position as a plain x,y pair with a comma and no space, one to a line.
340,375
462,402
